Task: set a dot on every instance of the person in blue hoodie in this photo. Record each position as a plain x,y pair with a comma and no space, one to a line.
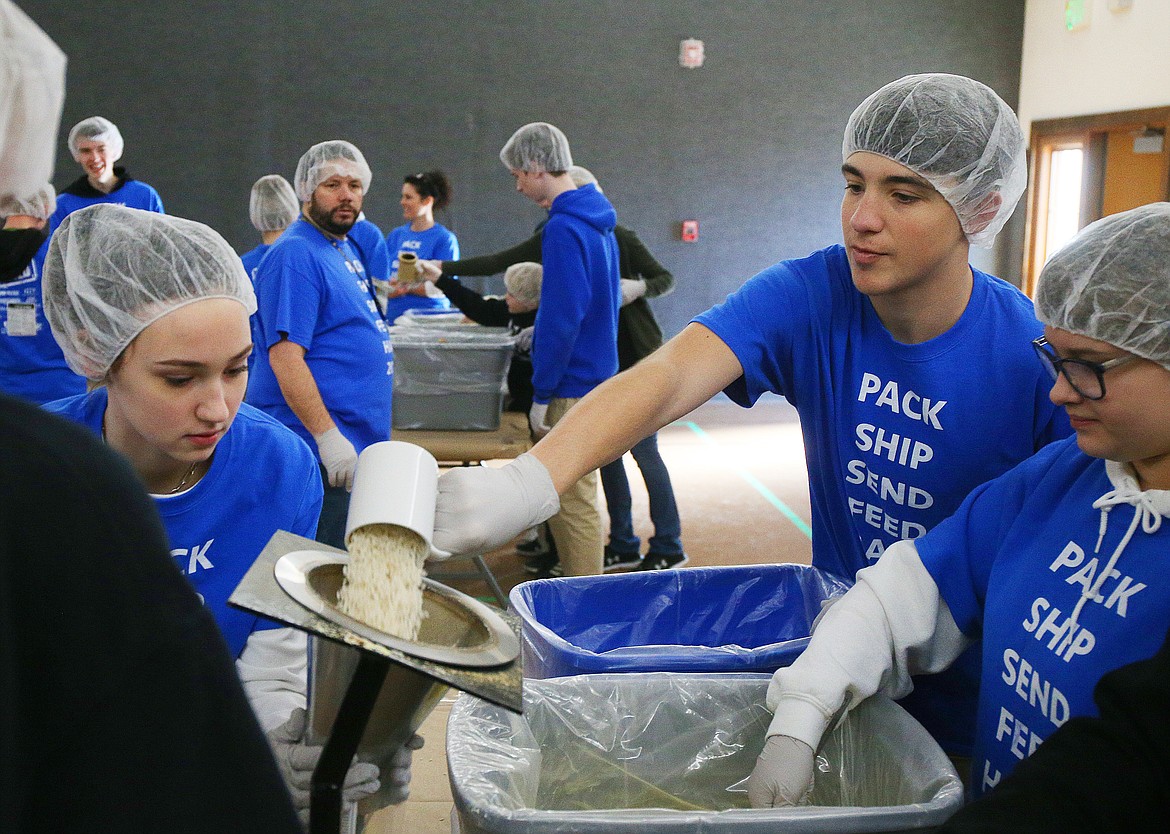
574,341
911,371
96,144
1058,566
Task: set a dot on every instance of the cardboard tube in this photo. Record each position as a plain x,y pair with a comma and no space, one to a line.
407,268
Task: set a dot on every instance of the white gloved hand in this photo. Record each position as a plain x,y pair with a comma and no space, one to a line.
381,292
524,341
398,774
297,760
783,774
632,289
429,270
338,456
479,508
538,419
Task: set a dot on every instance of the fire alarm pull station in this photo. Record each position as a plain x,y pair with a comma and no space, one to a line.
690,231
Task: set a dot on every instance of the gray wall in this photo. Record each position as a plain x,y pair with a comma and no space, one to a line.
210,96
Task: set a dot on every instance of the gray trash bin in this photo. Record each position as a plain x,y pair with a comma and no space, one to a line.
668,753
449,379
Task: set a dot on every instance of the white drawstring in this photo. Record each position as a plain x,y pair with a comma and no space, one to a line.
1147,511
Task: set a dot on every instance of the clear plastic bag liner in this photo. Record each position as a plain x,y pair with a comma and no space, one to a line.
666,752
750,618
448,361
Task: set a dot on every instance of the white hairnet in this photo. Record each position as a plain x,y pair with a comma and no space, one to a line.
324,160
273,205
958,135
97,129
32,92
39,204
523,281
582,176
537,146
112,271
1112,283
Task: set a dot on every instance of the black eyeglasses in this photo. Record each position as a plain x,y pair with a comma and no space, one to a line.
1086,378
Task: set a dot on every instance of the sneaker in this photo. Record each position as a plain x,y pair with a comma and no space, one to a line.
542,563
532,547
554,570
663,561
617,561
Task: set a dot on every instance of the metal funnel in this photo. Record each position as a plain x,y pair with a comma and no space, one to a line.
370,698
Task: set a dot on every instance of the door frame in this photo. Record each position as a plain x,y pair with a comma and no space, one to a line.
1091,132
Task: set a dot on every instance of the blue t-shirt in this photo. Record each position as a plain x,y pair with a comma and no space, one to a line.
262,479
438,243
1012,565
313,290
574,340
31,363
367,240
895,435
251,260
131,193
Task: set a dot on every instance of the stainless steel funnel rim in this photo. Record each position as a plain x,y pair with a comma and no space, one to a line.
292,573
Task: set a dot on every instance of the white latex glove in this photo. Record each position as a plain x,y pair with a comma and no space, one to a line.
538,419
297,760
398,773
632,289
783,774
338,456
524,341
429,270
479,508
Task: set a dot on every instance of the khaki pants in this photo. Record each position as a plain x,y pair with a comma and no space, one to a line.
577,527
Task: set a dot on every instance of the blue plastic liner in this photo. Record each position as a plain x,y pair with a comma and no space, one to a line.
751,618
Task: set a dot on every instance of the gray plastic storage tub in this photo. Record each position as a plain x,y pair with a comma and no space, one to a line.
449,379
666,753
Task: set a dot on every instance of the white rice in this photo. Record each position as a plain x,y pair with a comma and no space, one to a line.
383,581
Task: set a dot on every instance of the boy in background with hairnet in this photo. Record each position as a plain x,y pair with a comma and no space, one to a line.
912,372
574,342
96,144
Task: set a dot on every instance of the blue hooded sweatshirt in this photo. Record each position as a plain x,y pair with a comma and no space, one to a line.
574,345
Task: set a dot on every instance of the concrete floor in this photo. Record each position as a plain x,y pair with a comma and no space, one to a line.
741,484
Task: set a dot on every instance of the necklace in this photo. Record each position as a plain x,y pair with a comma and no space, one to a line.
186,477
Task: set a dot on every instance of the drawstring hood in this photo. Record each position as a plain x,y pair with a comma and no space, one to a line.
1149,508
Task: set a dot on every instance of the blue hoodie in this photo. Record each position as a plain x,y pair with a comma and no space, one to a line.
574,345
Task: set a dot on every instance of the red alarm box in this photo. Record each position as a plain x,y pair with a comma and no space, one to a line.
690,231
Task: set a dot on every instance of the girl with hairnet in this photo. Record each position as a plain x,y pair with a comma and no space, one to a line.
911,371
1058,566
154,311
